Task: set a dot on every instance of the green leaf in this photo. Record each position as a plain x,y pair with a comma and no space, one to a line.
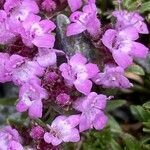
7,101
147,124
146,130
140,113
114,145
130,142
136,69
145,7
114,104
131,4
114,126
146,105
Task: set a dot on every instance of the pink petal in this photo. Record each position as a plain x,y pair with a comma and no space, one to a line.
90,8
74,4
47,25
13,145
75,28
72,136
83,86
49,138
74,17
100,121
142,28
139,50
101,101
78,104
47,60
84,123
35,111
132,34
31,6
57,120
67,73
109,37
21,106
73,120
92,70
122,59
45,41
78,58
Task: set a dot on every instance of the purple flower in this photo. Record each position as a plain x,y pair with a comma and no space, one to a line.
130,19
37,132
22,69
63,129
48,5
92,115
18,11
63,99
123,47
31,95
74,4
10,139
4,74
6,36
78,73
46,57
38,32
21,8
113,77
86,20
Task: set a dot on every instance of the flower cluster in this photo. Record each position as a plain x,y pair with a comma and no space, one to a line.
10,139
84,20
46,84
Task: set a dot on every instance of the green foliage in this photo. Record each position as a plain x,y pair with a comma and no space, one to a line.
114,104
7,101
136,69
145,7
140,113
131,143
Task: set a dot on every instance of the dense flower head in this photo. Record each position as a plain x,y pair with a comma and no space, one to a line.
49,5
22,70
18,12
37,132
130,19
91,107
78,72
38,32
20,18
63,129
10,139
31,95
51,83
56,88
84,20
123,47
112,77
63,99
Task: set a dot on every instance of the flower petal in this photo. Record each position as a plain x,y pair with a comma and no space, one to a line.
75,28
74,4
122,59
83,86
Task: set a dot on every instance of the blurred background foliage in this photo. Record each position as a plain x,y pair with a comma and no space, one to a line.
129,111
